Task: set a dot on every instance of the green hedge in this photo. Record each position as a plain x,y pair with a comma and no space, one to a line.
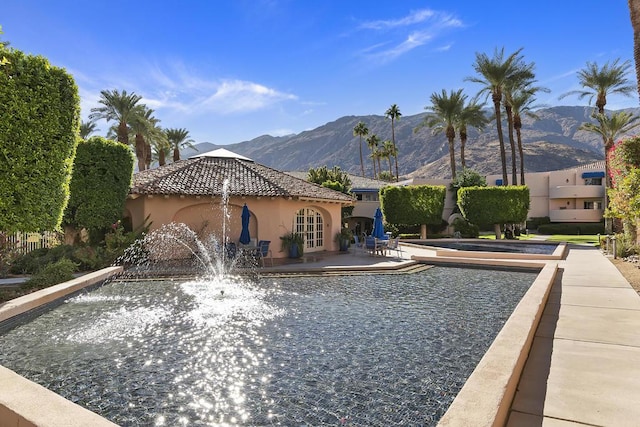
102,175
52,274
413,204
39,122
572,228
494,205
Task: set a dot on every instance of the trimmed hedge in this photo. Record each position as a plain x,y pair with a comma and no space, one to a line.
494,205
102,175
572,228
413,204
39,122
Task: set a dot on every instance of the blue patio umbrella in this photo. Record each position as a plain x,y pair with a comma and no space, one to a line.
244,235
378,228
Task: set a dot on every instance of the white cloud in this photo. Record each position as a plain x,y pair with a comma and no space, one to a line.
424,26
415,17
233,96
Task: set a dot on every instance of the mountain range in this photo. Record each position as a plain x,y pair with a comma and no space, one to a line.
551,141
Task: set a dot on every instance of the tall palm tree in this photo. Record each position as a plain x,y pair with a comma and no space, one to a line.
178,138
493,74
634,11
87,128
600,82
446,109
143,124
394,114
361,130
389,150
118,107
609,128
470,115
373,141
522,104
161,150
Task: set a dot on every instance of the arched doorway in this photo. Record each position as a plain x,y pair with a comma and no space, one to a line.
310,224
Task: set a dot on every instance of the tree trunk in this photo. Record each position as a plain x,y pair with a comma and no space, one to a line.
140,152
395,148
176,153
161,157
503,157
147,155
451,137
608,223
514,173
634,9
361,161
521,153
463,143
497,231
123,133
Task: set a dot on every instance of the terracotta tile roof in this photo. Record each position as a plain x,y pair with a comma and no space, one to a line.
204,176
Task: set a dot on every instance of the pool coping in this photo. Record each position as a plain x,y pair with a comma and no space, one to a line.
485,398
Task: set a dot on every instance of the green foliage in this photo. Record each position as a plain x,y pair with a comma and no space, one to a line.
386,176
535,222
467,178
289,239
102,176
465,228
39,121
52,274
494,205
336,178
335,185
630,151
575,229
414,204
624,200
8,254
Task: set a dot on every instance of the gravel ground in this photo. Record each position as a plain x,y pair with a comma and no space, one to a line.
630,271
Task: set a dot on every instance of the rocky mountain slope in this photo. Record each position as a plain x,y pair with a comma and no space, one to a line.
551,142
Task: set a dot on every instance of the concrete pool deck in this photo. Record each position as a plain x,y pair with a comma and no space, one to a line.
581,368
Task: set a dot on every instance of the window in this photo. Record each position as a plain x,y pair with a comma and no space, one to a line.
593,181
591,204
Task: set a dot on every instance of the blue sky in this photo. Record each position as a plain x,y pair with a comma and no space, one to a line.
230,71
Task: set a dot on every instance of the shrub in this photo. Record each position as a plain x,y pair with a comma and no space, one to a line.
52,274
535,222
572,228
465,228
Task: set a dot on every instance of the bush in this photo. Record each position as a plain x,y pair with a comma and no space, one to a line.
535,222
52,274
465,228
574,229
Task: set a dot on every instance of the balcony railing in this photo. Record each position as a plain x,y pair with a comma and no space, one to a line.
575,215
576,192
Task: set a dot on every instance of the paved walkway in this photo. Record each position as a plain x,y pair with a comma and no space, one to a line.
584,366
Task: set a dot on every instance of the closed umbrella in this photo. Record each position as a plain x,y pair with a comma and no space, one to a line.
244,235
378,228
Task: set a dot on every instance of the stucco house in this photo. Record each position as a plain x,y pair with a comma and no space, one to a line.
190,191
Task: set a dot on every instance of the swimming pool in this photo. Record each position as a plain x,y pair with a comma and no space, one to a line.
350,350
526,248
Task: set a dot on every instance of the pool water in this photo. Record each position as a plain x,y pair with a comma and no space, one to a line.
367,350
527,248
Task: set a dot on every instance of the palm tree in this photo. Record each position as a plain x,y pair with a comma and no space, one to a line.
470,115
600,82
118,107
143,124
161,150
634,11
446,109
87,128
494,73
522,103
361,130
394,114
389,150
609,128
373,141
178,138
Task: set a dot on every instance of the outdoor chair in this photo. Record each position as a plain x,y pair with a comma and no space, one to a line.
263,251
375,246
394,245
358,245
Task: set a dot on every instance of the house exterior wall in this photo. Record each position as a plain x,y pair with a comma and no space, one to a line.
270,217
563,196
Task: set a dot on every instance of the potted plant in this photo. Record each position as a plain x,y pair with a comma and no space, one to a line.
343,239
293,244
